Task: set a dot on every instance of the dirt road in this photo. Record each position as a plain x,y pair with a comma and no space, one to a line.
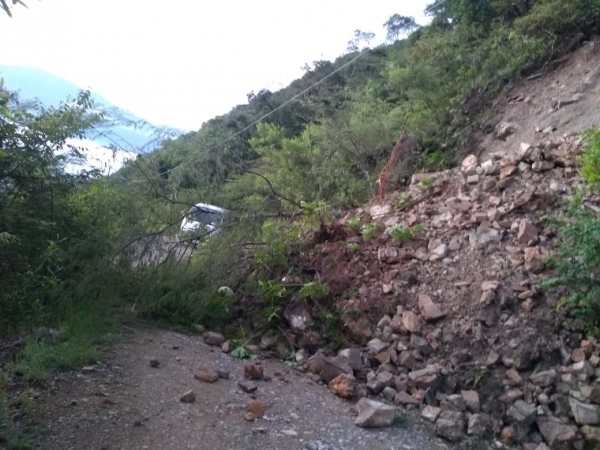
126,404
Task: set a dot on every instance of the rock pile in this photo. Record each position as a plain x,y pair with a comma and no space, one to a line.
469,338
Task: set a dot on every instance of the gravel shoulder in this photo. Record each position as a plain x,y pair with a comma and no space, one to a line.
124,403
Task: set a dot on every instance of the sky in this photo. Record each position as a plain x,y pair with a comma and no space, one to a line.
181,62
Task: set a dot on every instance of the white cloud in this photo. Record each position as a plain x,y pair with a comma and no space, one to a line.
94,157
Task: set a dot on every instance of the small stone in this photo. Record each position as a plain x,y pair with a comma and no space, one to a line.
522,413
471,399
376,346
585,414
508,435
473,179
528,233
420,344
489,286
206,374
199,329
457,401
253,371
389,393
514,376
372,414
404,399
429,310
213,338
88,369
154,362
478,424
376,383
343,385
254,410
450,425
248,387
188,397
431,413
578,355
555,433
591,434
492,358
468,162
224,374
289,433
226,347
411,322
583,367
545,378
354,357
384,322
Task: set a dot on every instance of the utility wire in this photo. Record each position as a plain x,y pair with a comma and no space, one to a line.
343,66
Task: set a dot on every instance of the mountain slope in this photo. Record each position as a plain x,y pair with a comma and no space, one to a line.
50,89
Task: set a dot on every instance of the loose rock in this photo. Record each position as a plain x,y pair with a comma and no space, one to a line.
206,374
372,414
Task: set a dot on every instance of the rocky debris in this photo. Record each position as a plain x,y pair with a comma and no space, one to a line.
254,410
354,358
298,316
344,385
372,414
482,259
450,425
253,371
154,362
378,382
213,338
248,387
404,399
431,413
471,399
188,397
411,322
478,424
528,233
226,347
585,414
522,413
556,433
206,374
224,374
429,310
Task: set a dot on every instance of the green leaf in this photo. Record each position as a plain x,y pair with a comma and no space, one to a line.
3,154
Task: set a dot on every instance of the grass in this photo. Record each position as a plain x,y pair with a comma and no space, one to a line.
80,338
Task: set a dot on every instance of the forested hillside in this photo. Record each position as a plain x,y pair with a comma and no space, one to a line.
301,155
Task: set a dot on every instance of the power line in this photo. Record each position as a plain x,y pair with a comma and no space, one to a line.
343,66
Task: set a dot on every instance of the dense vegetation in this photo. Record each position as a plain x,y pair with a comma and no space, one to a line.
285,162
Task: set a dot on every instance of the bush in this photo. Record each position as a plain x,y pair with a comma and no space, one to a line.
590,161
399,232
577,261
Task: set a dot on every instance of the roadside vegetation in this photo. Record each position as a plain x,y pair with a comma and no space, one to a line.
71,246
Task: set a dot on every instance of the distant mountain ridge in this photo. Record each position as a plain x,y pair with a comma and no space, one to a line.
31,83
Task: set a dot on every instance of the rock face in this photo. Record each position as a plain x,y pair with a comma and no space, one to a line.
372,414
343,385
450,425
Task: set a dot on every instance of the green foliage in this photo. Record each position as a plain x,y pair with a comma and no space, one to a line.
314,291
399,232
369,230
353,247
576,262
354,223
426,182
590,161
